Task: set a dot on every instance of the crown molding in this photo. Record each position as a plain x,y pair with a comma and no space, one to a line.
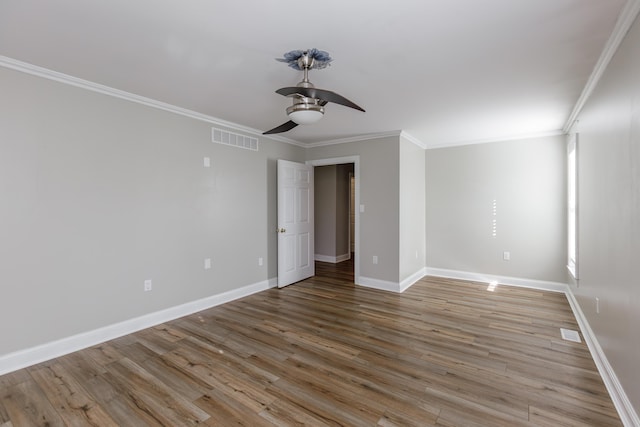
46,73
363,137
35,70
531,135
625,20
406,135
284,139
369,136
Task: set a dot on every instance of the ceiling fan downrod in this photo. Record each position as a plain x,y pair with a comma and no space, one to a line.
308,102
305,62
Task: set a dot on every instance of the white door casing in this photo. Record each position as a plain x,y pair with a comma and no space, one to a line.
295,222
356,172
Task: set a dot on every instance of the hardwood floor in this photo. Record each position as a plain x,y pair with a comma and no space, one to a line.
327,352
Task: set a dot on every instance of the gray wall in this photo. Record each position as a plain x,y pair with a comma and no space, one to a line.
332,210
412,209
527,180
379,184
342,209
325,210
99,194
609,212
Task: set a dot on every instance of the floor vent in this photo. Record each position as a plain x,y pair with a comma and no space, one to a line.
569,335
234,139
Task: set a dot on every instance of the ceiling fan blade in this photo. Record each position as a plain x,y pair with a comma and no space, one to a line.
282,128
327,95
291,90
321,94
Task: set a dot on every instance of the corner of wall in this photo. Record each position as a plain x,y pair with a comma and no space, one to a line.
620,400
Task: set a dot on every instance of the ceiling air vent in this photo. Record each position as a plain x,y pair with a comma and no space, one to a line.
234,139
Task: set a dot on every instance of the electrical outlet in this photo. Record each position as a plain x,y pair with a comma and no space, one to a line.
260,261
207,162
148,285
375,259
506,256
207,263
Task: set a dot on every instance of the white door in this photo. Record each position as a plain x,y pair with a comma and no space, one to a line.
295,222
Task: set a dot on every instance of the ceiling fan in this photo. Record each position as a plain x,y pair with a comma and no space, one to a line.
308,101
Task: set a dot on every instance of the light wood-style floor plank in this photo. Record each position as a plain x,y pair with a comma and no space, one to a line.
26,405
75,406
324,352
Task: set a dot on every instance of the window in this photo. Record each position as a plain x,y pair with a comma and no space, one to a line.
572,205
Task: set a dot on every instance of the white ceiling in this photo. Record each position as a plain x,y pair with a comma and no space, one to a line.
444,71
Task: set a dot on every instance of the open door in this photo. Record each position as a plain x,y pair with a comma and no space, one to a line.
295,222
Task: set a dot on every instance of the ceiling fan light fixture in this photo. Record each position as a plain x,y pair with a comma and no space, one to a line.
308,101
305,114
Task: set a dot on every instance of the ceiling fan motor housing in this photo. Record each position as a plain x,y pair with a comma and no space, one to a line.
305,110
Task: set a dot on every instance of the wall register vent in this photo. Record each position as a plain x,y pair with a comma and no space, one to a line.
570,335
234,139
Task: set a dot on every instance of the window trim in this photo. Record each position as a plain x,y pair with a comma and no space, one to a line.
572,205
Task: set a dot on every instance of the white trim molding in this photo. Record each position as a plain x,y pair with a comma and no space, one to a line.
370,136
332,259
627,414
505,280
461,275
623,405
397,287
412,279
31,356
515,137
56,76
413,139
383,285
35,70
356,173
364,137
625,20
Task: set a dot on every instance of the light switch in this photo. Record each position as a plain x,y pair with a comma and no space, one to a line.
361,208
207,162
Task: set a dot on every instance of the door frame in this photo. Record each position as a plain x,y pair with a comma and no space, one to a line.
356,173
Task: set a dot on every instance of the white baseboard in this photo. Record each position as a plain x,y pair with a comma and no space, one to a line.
462,275
343,257
383,285
514,281
31,356
625,409
397,287
332,259
409,281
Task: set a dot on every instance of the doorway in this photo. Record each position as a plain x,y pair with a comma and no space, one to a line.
337,215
